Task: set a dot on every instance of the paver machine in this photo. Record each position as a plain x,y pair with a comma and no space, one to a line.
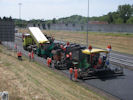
94,63
91,63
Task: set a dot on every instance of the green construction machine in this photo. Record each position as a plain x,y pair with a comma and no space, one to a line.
94,63
38,42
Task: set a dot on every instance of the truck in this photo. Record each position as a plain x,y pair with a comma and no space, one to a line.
38,42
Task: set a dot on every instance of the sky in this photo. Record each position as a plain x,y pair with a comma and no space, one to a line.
49,9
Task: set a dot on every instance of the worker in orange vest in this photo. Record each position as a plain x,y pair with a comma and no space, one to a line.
19,54
75,73
29,56
32,56
49,62
71,73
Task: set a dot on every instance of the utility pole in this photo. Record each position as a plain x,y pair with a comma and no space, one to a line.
87,24
20,10
20,15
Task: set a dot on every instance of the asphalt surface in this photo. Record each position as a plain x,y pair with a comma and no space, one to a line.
120,87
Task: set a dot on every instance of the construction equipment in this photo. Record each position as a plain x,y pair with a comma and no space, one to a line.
89,62
94,63
38,42
27,41
63,55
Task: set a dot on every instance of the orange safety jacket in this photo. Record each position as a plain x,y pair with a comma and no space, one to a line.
71,70
49,60
100,61
19,54
29,55
32,54
76,73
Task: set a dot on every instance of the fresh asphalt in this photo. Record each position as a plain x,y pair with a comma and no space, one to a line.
120,87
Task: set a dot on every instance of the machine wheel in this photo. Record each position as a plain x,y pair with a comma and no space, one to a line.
56,66
24,47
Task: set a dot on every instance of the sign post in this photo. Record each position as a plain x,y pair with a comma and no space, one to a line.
4,95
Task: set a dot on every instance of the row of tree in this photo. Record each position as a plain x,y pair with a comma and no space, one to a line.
123,15
6,18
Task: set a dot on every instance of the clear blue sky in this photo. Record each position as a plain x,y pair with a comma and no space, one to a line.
48,9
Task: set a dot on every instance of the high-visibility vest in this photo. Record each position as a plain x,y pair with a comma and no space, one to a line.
15,46
100,61
32,54
29,54
49,60
19,54
71,70
76,73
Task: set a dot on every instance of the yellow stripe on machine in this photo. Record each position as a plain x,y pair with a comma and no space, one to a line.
41,42
87,51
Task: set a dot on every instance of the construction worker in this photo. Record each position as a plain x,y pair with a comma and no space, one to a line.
49,62
32,55
19,54
29,56
71,73
70,55
75,73
15,47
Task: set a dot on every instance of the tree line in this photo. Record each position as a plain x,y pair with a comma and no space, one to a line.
123,15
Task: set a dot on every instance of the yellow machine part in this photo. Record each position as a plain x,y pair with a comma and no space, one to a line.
87,51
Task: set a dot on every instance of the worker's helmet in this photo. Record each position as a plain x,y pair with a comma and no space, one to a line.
67,56
70,53
61,46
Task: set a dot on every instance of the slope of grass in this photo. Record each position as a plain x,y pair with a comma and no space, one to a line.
26,80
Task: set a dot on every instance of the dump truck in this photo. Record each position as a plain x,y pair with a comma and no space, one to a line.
38,42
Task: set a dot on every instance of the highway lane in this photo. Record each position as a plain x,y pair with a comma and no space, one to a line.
121,87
